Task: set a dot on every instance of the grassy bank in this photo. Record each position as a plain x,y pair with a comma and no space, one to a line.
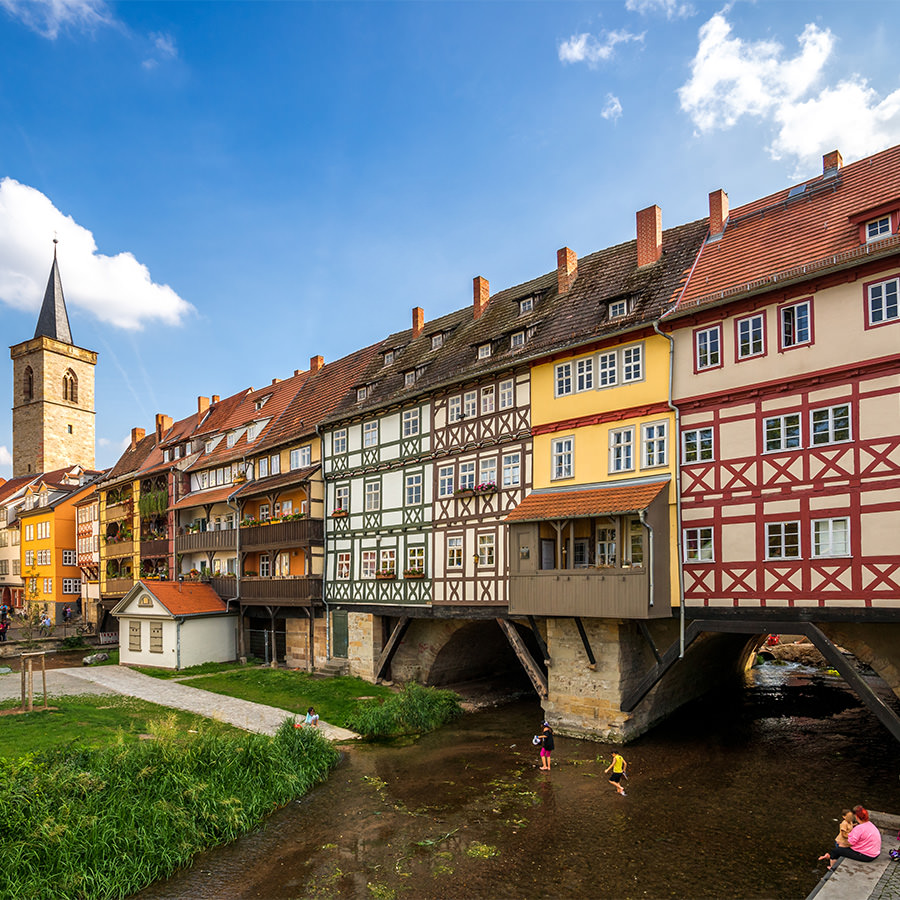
102,823
415,710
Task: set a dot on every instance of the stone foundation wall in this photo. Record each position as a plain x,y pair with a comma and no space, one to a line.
876,644
297,643
365,643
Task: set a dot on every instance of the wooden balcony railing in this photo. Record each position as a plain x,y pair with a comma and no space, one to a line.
303,590
154,547
293,533
206,540
119,585
119,511
122,548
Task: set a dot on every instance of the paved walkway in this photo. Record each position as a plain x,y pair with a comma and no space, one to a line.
121,680
878,880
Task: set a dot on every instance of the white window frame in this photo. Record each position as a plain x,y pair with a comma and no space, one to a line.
781,442
275,465
621,449
413,489
454,409
562,458
484,351
70,558
793,309
507,394
787,537
618,308
387,560
262,466
878,229
361,393
470,404
388,357
411,422
409,378
454,552
632,364
339,442
886,294
466,475
370,434
830,416
487,470
487,547
753,343
445,481
708,348
699,546
437,341
512,469
823,550
342,565
373,496
698,443
516,340
415,557
654,444
488,401
526,305
584,374
368,563
342,497
563,383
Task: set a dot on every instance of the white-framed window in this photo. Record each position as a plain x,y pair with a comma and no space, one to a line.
708,348
697,445
301,457
878,228
263,512
361,393
43,530
516,340
883,302
342,497
410,422
387,561
370,434
486,556
343,565
454,552
507,395
414,489
275,465
751,336
512,467
487,473
618,308
409,378
654,444
29,558
526,305
48,585
782,432
373,496
621,449
29,532
487,400
445,481
415,558
563,379
606,546
71,585
484,351
70,558
339,441
454,409
368,563
562,462
230,439
388,357
466,476
584,374
795,325
698,544
782,540
633,363
831,537
437,341
830,425
470,404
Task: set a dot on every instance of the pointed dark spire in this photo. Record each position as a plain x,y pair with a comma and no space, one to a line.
53,321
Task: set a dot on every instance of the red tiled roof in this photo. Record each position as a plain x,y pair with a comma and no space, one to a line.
605,501
793,237
199,498
8,488
187,598
274,482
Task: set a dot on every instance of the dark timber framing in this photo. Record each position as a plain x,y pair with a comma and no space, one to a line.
538,679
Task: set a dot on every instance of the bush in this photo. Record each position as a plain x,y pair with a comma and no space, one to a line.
95,823
415,710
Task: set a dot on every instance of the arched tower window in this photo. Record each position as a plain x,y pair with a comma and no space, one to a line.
70,387
28,384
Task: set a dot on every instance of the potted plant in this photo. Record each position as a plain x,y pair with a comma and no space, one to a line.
385,574
486,487
414,573
464,492
339,514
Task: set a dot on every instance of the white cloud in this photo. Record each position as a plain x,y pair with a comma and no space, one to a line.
49,17
672,9
587,48
612,109
163,49
732,78
117,289
5,456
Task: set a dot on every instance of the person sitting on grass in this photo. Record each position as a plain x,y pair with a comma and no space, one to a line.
864,840
312,718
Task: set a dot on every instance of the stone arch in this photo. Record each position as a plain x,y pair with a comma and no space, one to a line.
70,386
28,384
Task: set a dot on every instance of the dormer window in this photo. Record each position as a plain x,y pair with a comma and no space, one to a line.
409,378
208,446
618,308
437,341
484,351
361,394
261,402
517,339
231,439
526,305
388,357
878,229
167,456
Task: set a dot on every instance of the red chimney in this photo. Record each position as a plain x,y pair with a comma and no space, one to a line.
718,211
215,398
137,435
649,235
418,321
481,289
315,363
832,162
163,424
566,269
202,405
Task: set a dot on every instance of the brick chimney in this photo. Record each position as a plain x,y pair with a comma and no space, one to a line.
163,424
316,363
202,405
481,289
566,269
418,321
137,435
718,211
832,163
649,235
215,398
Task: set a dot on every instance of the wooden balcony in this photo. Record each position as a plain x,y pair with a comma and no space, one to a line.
293,533
206,540
295,591
155,547
119,511
122,548
115,586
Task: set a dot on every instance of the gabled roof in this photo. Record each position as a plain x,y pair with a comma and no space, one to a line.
15,486
53,321
796,233
187,598
613,499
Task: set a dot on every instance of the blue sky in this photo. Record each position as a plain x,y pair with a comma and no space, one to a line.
239,186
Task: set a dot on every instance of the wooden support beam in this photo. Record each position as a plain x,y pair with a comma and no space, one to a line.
538,679
540,640
645,631
390,648
592,663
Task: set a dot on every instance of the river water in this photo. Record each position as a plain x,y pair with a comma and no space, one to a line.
733,797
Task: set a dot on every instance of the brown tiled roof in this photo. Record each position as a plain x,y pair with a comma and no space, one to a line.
8,488
188,598
274,482
200,498
610,500
781,237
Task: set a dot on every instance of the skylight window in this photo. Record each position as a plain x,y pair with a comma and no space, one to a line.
796,191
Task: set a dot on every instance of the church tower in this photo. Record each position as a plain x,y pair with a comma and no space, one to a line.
53,392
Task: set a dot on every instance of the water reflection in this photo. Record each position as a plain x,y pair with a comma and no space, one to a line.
735,796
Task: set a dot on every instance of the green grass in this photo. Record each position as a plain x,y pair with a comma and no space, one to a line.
334,698
415,710
101,823
208,668
90,720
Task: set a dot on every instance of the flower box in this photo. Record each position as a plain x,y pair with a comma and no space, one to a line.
414,575
339,514
464,492
486,487
385,576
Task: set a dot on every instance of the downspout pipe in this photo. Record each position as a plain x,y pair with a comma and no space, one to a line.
324,540
642,515
237,573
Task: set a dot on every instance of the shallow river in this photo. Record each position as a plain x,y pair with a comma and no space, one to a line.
731,798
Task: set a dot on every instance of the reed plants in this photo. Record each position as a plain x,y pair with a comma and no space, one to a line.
413,710
91,823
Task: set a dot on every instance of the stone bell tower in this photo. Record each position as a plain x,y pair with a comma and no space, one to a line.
53,392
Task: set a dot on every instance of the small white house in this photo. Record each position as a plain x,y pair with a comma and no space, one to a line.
174,625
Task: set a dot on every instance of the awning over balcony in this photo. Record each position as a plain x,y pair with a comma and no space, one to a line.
614,499
263,486
201,498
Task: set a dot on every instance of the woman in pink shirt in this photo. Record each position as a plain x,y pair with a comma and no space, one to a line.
864,839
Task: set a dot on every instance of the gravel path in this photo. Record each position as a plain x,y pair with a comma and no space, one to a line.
120,680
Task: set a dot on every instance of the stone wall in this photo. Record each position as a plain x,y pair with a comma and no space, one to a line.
297,642
365,643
